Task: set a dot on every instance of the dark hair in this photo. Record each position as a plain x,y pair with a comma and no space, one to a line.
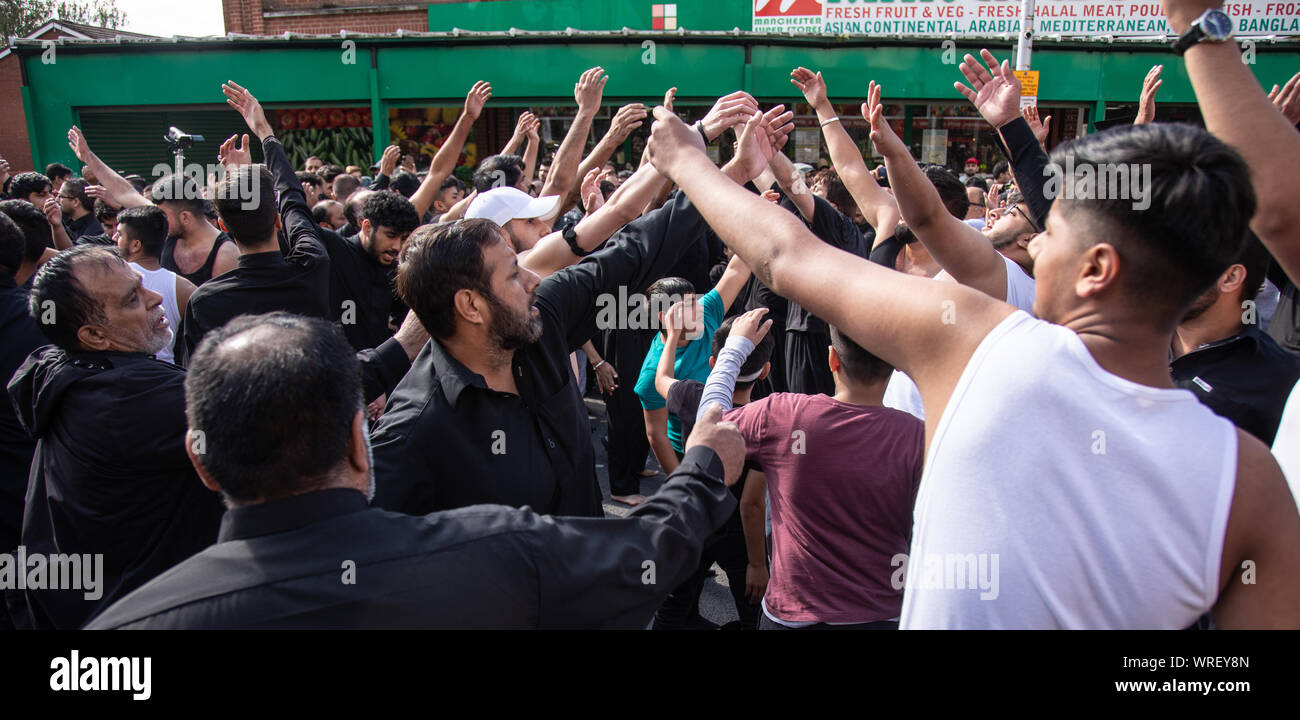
148,226
182,191
353,207
104,211
320,212
345,184
54,171
667,290
74,306
836,193
761,354
510,166
440,261
951,191
329,172
309,178
245,201
452,182
979,182
12,244
1001,167
1200,204
77,188
137,182
24,184
35,228
1255,258
404,184
856,362
385,208
276,413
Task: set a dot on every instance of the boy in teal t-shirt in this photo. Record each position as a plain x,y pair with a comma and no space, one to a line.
691,363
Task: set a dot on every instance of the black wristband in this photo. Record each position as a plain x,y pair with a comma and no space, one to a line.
699,127
570,236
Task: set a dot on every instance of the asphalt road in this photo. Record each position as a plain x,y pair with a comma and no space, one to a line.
716,604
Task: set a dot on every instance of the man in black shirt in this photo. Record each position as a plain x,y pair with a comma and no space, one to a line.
110,476
19,336
78,210
299,548
362,268
264,280
1221,355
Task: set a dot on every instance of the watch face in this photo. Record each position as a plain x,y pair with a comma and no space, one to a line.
1217,25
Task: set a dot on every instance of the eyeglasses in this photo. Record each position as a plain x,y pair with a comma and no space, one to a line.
1016,209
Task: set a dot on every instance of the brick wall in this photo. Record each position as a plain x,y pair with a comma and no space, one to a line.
261,17
14,145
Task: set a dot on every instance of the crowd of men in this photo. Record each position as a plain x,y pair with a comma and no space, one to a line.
899,397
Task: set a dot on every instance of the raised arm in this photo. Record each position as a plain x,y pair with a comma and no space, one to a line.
1238,112
445,159
1147,102
963,251
665,372
518,136
995,92
299,223
746,332
627,119
875,204
123,192
733,280
553,253
564,168
532,148
926,329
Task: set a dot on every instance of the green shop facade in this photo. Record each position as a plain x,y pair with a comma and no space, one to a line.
347,97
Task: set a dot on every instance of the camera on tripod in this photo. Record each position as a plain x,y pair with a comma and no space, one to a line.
180,141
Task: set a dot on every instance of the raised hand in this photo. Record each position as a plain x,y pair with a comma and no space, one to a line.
232,155
1040,128
754,148
388,162
1287,99
882,133
628,118
53,213
752,325
476,98
532,126
248,107
728,111
1147,103
77,141
592,198
671,142
810,84
994,91
778,123
669,97
589,89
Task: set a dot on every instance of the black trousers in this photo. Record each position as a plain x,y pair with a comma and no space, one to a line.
806,363
681,611
627,444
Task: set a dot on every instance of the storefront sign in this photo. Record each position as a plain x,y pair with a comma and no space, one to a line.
1134,19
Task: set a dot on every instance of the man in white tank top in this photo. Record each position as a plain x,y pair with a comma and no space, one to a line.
1067,482
140,236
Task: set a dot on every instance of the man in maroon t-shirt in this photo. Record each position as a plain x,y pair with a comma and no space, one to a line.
842,475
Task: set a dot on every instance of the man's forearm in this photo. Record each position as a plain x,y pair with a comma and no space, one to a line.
563,176
444,161
1028,159
1238,112
785,174
662,447
530,158
847,160
721,385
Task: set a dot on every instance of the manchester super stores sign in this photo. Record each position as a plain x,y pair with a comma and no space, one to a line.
1065,18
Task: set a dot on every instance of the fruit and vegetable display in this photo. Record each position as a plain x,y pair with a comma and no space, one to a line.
338,136
422,131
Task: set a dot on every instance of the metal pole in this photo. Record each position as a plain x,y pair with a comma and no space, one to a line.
1025,48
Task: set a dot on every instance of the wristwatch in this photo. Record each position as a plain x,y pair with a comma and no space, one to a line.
570,236
1212,26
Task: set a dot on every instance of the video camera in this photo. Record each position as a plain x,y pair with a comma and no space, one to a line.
181,141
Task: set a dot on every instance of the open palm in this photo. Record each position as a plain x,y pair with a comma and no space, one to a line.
995,90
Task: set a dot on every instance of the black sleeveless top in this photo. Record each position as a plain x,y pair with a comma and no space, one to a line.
204,273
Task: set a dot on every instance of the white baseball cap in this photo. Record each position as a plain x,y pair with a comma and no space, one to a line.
503,204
